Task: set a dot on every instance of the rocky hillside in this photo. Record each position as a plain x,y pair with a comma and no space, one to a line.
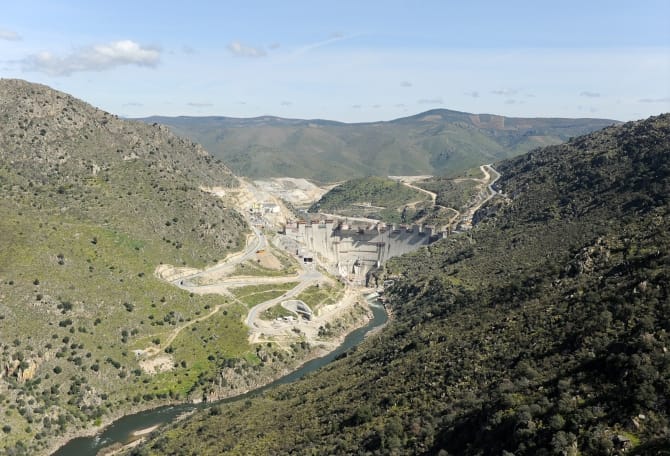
56,148
434,142
90,205
544,330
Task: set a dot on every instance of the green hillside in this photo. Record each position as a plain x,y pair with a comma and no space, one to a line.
434,142
544,330
90,205
373,197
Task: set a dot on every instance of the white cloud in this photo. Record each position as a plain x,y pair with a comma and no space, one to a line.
9,35
473,94
242,50
286,103
96,58
196,104
333,39
405,84
588,94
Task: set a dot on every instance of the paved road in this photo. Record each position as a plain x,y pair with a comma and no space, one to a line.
357,219
258,242
491,183
494,171
433,195
307,278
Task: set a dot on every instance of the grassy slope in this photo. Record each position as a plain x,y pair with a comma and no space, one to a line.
434,142
377,191
89,206
450,193
543,331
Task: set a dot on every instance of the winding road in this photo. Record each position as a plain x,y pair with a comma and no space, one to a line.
307,278
309,275
487,171
489,187
258,242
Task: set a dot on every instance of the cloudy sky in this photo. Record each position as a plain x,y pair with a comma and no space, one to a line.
346,60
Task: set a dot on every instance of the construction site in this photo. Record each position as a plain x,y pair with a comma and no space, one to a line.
352,251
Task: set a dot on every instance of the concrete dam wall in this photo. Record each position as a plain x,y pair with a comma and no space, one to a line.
354,250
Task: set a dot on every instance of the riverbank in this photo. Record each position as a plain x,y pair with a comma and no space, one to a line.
318,349
70,435
65,445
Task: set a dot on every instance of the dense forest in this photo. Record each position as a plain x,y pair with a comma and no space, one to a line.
544,330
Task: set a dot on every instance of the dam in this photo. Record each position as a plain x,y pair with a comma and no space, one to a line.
351,251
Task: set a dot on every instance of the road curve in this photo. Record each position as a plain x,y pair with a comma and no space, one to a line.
307,278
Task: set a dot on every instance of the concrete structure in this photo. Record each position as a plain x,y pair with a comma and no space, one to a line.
264,208
353,250
270,208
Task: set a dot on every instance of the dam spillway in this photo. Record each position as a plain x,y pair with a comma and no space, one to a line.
355,249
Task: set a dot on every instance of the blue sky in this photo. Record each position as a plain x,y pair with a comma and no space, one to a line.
346,60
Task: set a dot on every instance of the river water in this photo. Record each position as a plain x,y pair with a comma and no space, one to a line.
121,430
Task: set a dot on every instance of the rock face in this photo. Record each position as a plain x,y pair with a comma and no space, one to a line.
28,373
22,370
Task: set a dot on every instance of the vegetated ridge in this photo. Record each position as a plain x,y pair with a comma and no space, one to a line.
90,205
434,142
543,330
373,197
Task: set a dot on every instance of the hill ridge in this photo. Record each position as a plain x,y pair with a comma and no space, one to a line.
438,141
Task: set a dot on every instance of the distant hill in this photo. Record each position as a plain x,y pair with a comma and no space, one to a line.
90,206
544,330
433,142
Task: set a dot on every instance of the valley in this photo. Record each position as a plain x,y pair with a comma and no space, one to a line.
321,324
541,330
334,228
138,274
133,274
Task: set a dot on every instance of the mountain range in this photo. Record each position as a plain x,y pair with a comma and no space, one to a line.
434,142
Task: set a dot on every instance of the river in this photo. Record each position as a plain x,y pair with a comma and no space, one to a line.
121,430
